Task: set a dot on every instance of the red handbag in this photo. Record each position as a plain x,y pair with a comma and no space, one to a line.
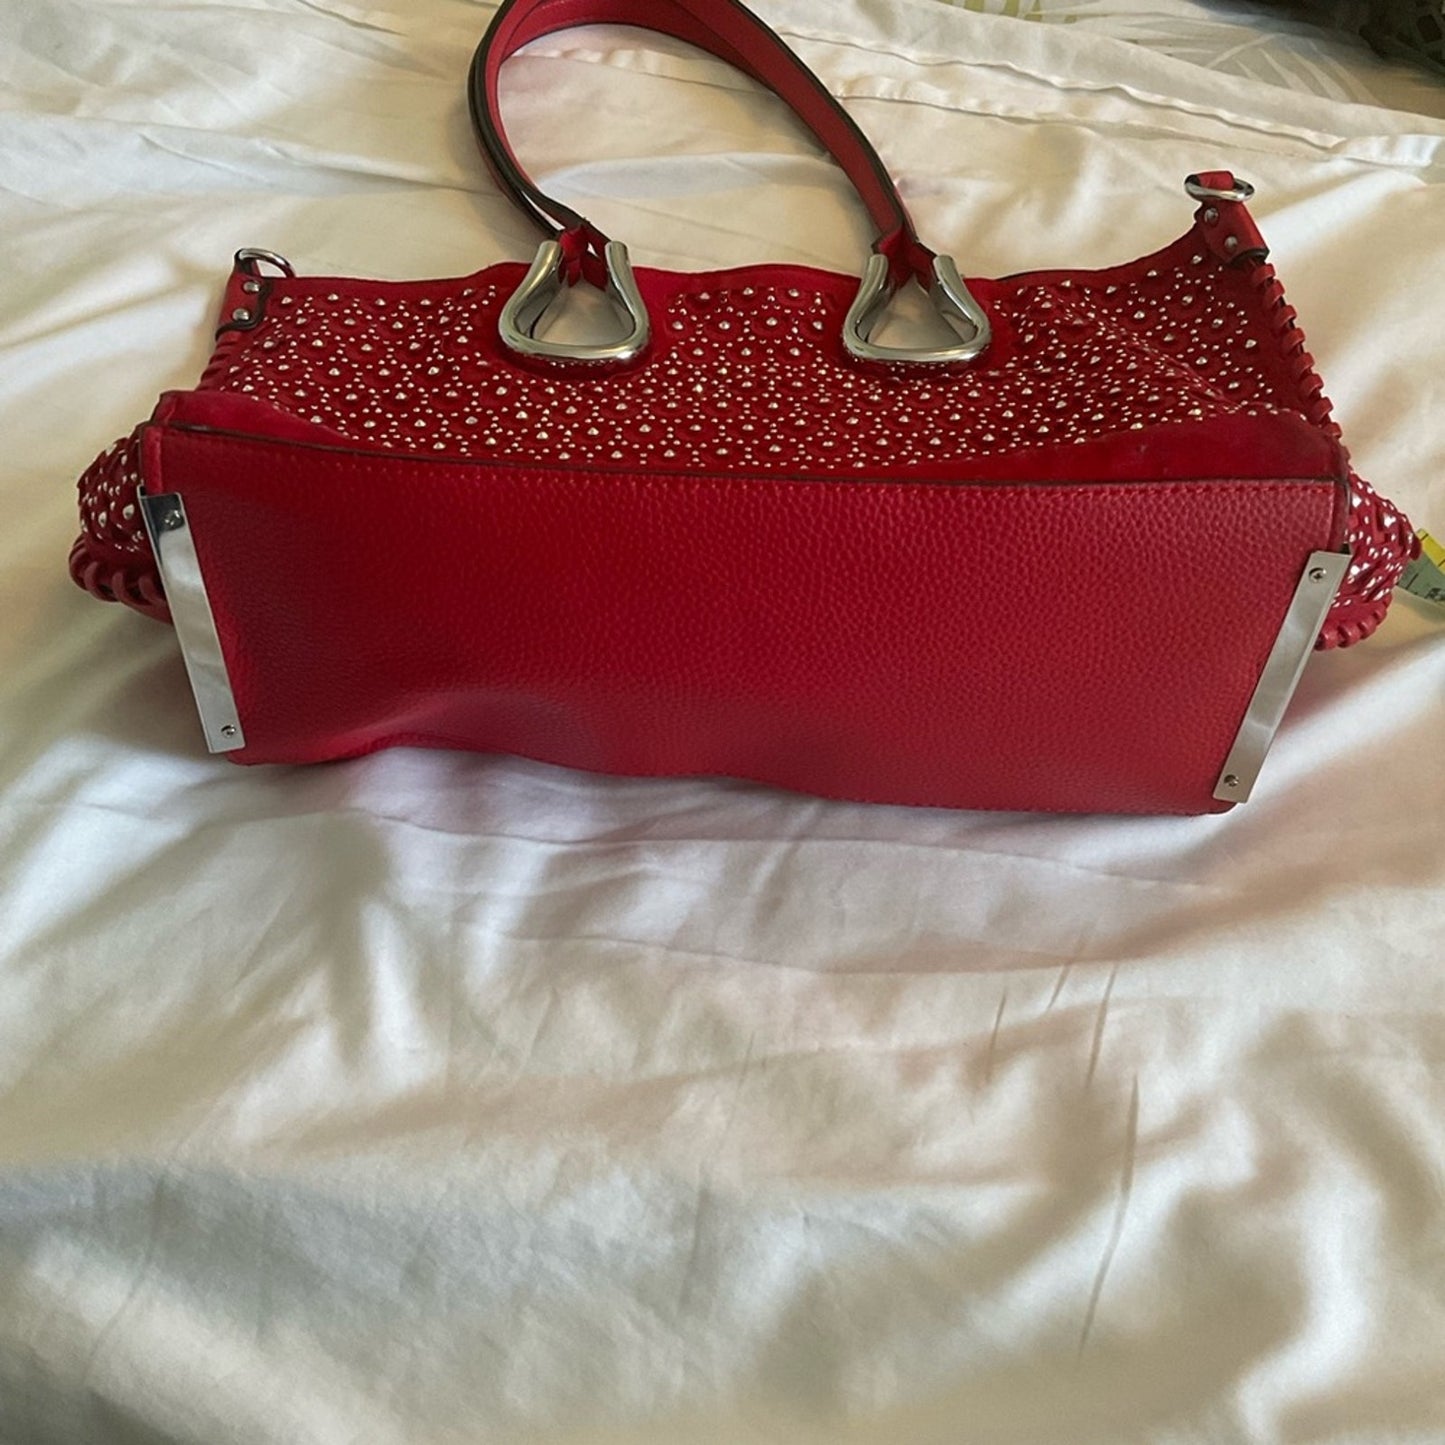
1074,560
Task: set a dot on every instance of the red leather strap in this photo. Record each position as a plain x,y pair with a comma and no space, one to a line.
725,29
1226,226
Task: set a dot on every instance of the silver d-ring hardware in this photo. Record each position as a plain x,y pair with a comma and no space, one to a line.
1241,191
248,258
951,299
540,288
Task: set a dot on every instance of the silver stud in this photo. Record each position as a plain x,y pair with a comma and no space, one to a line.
1230,781
1231,243
241,313
250,287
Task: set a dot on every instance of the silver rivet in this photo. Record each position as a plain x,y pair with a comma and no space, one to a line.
1211,215
1317,574
228,731
1230,781
240,314
1231,243
252,287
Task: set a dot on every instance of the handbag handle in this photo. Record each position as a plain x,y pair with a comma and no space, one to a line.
733,33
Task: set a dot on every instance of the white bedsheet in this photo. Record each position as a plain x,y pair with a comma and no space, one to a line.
437,1098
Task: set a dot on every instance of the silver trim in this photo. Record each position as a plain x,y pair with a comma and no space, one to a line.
951,299
180,569
1193,186
1318,583
542,285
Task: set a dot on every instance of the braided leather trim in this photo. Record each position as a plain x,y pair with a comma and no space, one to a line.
112,559
1384,544
1380,539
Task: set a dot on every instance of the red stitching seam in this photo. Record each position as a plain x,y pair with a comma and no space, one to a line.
594,478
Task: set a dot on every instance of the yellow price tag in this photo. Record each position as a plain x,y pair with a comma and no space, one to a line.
1425,576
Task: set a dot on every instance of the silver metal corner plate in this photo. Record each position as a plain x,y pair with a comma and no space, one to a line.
1317,586
175,552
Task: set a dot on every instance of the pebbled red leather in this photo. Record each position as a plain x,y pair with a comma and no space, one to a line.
1047,579
1022,645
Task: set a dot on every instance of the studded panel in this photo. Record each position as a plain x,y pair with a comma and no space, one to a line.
752,377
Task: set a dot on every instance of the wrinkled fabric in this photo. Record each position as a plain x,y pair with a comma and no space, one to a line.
1319,47
442,1098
